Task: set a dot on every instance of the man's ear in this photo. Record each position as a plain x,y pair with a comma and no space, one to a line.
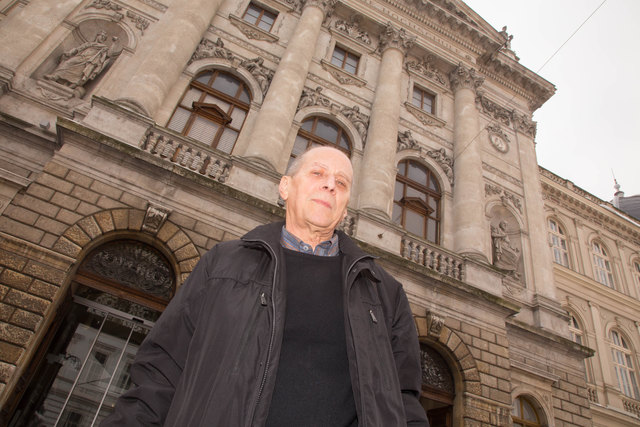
283,187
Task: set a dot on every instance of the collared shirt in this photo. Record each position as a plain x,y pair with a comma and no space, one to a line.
326,248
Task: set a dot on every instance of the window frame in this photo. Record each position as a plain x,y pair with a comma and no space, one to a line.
624,366
213,112
558,238
416,206
602,266
521,400
347,54
262,12
314,140
423,93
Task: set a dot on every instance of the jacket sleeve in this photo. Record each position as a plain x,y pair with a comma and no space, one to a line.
161,358
406,352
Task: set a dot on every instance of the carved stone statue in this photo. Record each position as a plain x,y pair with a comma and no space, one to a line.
359,120
209,49
505,256
85,62
406,141
258,71
313,97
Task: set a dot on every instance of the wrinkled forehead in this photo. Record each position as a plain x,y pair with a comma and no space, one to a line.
331,159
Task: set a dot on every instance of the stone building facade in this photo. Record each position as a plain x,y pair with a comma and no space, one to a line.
137,134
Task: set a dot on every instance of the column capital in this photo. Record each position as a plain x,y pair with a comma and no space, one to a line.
325,5
393,37
463,77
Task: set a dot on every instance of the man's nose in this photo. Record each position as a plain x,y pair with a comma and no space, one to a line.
330,183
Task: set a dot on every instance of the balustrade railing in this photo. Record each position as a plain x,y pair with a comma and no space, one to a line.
433,258
187,154
632,406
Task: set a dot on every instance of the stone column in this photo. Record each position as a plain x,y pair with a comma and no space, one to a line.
378,171
163,53
269,135
24,29
471,236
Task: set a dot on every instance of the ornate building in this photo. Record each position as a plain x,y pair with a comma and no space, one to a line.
136,134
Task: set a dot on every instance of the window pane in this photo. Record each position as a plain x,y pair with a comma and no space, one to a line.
227,140
192,95
417,173
327,130
300,145
306,125
396,216
179,119
237,118
224,106
412,192
338,57
244,96
397,194
226,84
203,130
432,231
414,222
204,78
529,413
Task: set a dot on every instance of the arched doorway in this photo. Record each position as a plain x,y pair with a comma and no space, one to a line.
438,388
118,293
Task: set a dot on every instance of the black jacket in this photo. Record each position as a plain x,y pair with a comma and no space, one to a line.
211,358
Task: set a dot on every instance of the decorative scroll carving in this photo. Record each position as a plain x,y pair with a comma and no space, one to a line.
463,77
432,257
435,371
434,324
359,120
104,4
505,255
424,117
426,68
493,109
140,22
261,73
393,37
313,97
84,63
352,29
154,218
132,264
209,49
188,155
498,138
505,196
524,125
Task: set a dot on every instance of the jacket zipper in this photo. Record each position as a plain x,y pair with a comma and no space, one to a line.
273,326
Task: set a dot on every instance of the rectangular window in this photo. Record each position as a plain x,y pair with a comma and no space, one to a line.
259,17
346,60
423,100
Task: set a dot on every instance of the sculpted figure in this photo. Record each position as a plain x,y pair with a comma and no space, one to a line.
313,97
83,63
505,256
359,120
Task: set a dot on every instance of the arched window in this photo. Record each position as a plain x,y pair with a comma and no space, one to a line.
213,110
524,414
416,200
575,330
316,131
636,276
623,364
601,265
558,243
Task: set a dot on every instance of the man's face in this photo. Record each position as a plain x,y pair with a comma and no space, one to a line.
318,193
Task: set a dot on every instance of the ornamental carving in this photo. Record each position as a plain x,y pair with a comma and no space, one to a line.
445,162
259,72
251,31
325,5
140,22
505,196
154,218
342,76
505,255
393,37
359,120
352,29
348,225
312,97
463,77
489,107
424,117
434,324
104,4
435,371
425,67
524,125
134,265
406,141
498,138
210,49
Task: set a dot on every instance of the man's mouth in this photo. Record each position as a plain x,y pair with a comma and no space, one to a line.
323,203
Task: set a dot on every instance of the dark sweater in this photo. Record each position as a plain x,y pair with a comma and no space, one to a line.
313,385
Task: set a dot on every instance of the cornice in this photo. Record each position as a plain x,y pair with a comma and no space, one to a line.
589,207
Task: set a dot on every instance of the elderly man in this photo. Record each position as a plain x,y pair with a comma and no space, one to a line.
290,326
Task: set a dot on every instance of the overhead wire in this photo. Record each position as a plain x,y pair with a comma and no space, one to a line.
539,69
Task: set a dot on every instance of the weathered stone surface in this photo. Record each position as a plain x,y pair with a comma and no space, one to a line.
10,353
27,301
14,334
67,247
15,280
43,289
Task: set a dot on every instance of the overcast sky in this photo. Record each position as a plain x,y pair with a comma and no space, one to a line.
590,129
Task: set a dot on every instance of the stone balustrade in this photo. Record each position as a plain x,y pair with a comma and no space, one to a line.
188,154
632,406
433,257
593,394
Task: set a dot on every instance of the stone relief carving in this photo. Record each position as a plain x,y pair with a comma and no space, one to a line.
406,141
352,29
359,120
505,196
505,255
424,117
311,97
140,22
251,31
262,74
435,323
393,37
498,138
342,76
426,68
154,218
326,5
524,125
445,162
463,77
104,4
81,64
435,370
491,108
210,49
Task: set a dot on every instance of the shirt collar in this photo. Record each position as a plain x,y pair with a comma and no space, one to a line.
327,248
